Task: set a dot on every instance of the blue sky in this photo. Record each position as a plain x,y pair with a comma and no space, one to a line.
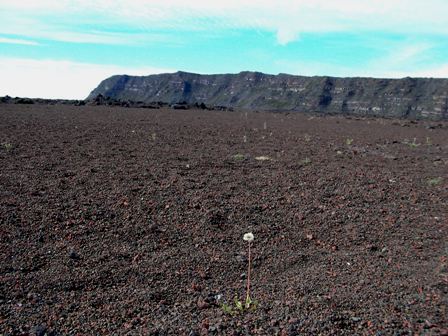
63,49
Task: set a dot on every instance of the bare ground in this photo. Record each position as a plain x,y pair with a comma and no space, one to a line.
130,221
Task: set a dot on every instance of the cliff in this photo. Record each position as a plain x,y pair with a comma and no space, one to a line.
415,98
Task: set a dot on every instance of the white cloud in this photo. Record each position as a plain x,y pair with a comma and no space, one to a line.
434,72
410,52
285,36
58,78
286,18
17,41
36,29
405,60
35,4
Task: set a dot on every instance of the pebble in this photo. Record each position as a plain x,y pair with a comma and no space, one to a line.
74,255
39,330
202,304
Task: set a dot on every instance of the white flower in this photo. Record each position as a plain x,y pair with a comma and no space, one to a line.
248,237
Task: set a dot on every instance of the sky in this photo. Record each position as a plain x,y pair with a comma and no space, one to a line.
63,49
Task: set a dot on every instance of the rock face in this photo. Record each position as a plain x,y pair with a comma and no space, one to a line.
421,98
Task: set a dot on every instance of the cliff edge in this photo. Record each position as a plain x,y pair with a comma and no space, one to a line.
414,98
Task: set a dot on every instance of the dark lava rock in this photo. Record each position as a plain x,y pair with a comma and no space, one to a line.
39,330
193,333
389,225
74,255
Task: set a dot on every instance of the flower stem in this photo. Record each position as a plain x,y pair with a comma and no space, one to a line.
248,277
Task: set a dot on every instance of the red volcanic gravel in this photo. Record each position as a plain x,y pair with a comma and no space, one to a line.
130,222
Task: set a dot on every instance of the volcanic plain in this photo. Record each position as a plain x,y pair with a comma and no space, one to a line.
125,221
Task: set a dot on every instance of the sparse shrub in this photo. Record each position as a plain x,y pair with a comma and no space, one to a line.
306,161
434,181
412,144
227,309
238,157
348,141
8,146
239,307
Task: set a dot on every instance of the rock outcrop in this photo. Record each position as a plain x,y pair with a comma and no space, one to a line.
415,98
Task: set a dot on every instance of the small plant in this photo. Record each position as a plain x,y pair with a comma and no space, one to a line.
238,157
306,161
248,304
348,141
249,237
227,309
307,137
239,307
412,144
8,146
434,181
428,141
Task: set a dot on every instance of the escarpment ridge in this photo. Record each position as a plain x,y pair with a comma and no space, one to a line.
414,98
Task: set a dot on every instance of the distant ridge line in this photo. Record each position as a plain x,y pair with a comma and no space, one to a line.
413,98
